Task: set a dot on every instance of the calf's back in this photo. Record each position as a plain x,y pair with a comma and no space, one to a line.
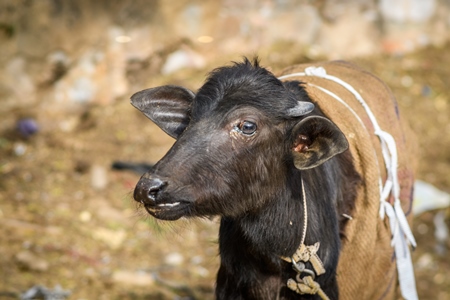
366,268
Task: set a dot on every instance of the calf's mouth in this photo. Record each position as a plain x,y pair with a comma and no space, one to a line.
152,193
169,211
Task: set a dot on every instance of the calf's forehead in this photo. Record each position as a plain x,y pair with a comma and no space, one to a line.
268,97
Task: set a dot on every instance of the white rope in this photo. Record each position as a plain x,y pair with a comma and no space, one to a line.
399,225
305,215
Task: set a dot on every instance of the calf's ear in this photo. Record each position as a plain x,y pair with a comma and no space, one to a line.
316,139
168,106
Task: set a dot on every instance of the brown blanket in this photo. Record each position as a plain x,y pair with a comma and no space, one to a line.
367,268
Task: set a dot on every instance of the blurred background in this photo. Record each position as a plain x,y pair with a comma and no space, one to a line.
69,227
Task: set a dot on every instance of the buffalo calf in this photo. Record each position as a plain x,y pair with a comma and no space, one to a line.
293,173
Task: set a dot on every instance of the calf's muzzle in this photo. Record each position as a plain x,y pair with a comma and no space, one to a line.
148,189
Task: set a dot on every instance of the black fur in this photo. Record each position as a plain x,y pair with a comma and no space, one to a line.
252,183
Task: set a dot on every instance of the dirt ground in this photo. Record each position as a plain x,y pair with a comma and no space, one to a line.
68,220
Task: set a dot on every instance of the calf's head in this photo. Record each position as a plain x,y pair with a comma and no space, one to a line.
236,141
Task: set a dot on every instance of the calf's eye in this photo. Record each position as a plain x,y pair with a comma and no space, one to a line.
247,127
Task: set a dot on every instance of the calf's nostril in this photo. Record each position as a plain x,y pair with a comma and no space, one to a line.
153,192
147,190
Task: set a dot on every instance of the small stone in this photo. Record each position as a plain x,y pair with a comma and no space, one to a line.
20,149
196,260
29,261
425,262
200,271
125,277
174,259
183,58
403,11
99,178
85,216
41,292
113,238
90,273
69,124
407,81
422,228
27,127
205,39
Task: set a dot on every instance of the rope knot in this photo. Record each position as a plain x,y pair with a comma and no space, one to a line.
304,253
307,286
